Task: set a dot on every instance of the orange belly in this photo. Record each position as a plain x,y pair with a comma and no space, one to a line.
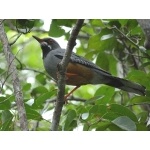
77,74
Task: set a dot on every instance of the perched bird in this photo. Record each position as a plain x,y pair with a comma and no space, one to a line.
81,71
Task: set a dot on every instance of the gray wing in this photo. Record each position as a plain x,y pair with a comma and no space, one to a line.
81,60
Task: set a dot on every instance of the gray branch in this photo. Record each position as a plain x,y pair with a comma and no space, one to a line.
145,25
15,80
61,70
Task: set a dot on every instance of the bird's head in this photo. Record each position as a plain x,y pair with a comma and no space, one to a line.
47,45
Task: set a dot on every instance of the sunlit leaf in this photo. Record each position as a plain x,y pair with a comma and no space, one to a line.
55,29
26,87
125,123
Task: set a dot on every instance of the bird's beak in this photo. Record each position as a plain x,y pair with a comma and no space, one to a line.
38,39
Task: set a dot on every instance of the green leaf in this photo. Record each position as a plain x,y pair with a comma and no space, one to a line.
26,87
24,25
55,29
7,125
131,24
87,30
4,103
32,114
39,90
107,36
114,22
108,44
96,43
38,22
98,109
102,61
143,116
142,127
136,31
123,22
73,125
103,126
1,70
110,116
81,109
84,116
113,127
97,22
6,115
91,55
144,65
41,79
6,118
125,123
42,98
139,100
137,75
85,127
70,117
10,98
122,111
106,94
65,22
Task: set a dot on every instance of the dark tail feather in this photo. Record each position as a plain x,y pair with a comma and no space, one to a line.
127,85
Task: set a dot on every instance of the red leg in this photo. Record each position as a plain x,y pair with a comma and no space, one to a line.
67,95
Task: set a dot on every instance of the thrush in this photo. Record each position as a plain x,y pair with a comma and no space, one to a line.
81,71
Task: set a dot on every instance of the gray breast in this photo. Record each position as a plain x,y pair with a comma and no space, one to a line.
51,62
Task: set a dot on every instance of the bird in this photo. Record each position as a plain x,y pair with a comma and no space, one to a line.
81,71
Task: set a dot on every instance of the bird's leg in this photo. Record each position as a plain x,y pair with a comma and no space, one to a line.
67,95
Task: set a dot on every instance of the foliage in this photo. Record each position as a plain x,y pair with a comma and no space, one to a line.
116,45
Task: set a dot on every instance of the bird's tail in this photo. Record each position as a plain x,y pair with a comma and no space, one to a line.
126,85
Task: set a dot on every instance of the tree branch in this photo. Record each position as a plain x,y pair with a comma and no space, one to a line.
136,45
41,72
145,25
68,99
15,39
61,81
15,80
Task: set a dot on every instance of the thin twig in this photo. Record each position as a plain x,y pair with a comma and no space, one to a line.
135,55
1,21
132,57
8,73
15,80
68,99
136,45
61,80
34,70
15,39
143,103
3,83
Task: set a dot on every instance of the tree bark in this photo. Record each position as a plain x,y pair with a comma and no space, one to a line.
14,76
62,70
145,25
